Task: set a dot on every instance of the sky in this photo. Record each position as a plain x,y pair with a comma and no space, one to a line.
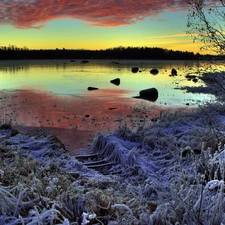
95,24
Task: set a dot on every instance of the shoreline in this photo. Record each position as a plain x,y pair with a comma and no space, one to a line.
167,171
75,120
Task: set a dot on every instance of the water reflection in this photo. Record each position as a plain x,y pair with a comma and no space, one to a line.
63,77
76,120
53,96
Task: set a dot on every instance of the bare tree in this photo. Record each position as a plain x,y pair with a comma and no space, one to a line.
206,21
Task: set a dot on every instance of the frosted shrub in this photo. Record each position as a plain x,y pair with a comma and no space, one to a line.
194,198
53,186
1,175
37,185
210,205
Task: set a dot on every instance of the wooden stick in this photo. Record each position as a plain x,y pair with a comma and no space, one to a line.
91,156
101,165
95,162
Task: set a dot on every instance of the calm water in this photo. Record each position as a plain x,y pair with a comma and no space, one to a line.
53,94
72,78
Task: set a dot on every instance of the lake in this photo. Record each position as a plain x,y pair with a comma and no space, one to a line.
53,95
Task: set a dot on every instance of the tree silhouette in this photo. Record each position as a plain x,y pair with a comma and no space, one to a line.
206,20
13,52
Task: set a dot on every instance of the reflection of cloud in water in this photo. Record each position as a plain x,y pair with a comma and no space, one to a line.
75,119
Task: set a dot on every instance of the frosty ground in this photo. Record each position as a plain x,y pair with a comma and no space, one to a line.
171,172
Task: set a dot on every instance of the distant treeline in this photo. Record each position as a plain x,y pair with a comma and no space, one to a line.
12,52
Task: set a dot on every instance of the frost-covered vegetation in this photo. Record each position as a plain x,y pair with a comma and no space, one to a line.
171,172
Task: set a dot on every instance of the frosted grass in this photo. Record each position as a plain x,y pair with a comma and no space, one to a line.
171,172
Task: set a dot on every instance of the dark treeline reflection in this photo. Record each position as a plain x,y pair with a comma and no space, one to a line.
12,52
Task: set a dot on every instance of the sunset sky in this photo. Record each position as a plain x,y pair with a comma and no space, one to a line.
91,24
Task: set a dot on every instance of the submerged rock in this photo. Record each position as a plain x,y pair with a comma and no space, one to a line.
115,81
112,108
154,71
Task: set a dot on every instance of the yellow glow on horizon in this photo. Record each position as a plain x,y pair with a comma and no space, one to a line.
169,44
175,47
180,42
175,42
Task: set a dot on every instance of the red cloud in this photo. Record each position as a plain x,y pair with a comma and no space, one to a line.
34,13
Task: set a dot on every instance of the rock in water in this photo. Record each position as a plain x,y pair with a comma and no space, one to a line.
173,72
150,94
84,61
154,71
195,80
115,81
134,69
92,88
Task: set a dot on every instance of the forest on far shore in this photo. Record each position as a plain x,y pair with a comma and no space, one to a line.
12,52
